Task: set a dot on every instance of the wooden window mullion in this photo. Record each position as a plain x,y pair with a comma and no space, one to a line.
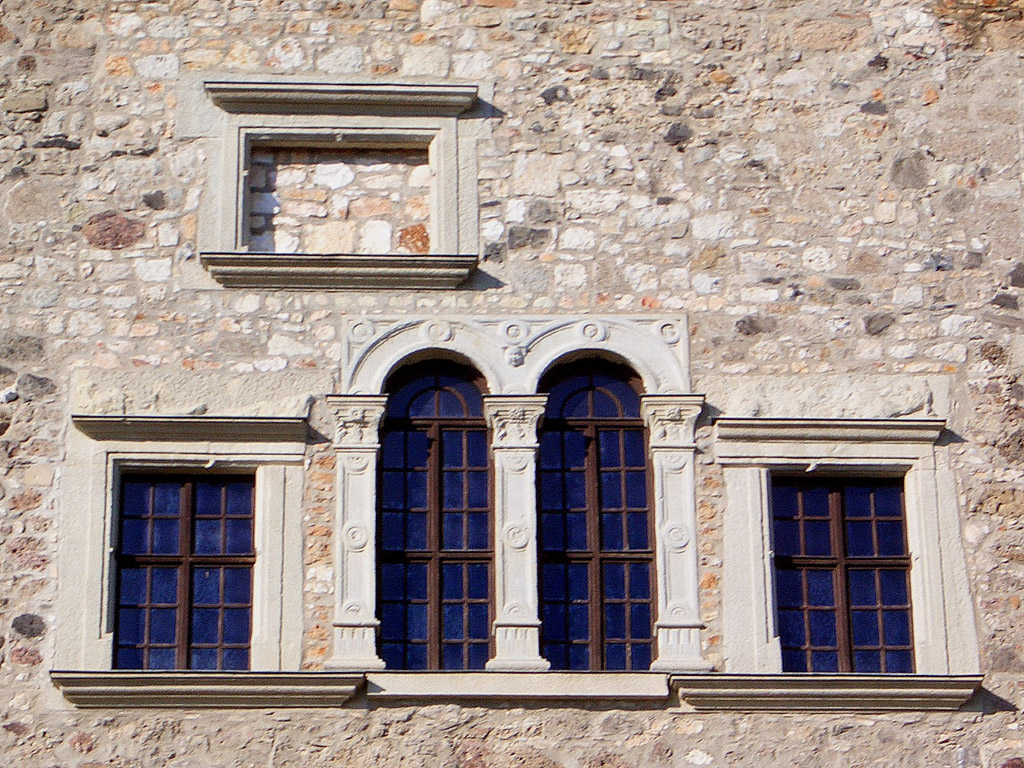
843,623
184,576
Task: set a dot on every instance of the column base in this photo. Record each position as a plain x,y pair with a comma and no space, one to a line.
517,648
679,650
355,649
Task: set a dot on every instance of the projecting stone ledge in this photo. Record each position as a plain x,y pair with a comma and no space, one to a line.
338,271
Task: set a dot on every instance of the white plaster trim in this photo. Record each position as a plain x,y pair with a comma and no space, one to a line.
509,688
193,428
205,690
824,693
240,269
945,639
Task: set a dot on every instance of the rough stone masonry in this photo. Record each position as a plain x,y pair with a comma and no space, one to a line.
830,190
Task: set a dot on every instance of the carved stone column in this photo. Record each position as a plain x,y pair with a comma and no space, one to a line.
513,420
356,444
670,422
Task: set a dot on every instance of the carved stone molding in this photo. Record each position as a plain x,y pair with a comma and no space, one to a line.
357,418
514,419
671,419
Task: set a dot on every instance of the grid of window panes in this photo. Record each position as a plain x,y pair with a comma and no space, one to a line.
184,562
842,576
595,543
435,530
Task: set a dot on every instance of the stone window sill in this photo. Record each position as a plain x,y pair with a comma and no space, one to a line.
512,687
340,271
191,690
824,693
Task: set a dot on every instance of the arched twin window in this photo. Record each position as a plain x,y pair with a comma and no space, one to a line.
435,523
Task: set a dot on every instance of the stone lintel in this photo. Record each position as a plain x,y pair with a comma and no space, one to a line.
829,430
193,428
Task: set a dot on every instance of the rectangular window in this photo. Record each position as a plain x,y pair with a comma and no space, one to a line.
842,575
184,560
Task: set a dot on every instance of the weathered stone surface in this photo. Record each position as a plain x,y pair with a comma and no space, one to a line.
18,348
29,625
113,230
31,386
910,171
876,324
28,101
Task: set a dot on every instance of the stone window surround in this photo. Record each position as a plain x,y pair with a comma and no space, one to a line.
100,448
750,449
332,114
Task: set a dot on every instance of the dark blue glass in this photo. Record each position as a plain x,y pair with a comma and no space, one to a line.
478,654
552,577
899,661
239,498
452,656
627,397
202,658
416,621
132,590
615,656
605,406
794,661
422,405
865,628
392,450
636,490
894,587
129,658
611,532
161,625
131,626
550,450
576,406
816,502
469,393
787,537
887,502
167,500
207,537
897,627
392,490
416,657
136,499
553,618
416,530
615,581
867,661
452,621
476,449
789,588
615,621
416,490
633,442
576,531
235,658
162,658
791,628
611,490
206,586
208,499
134,536
552,531
862,588
392,578
477,576
890,538
239,536
478,624
392,622
857,501
817,541
575,490
819,588
451,449
637,522
575,449
417,449
823,628
165,537
640,620
579,627
451,581
450,405
579,657
205,625
392,531
478,530
236,625
639,581
640,656
578,581
477,490
824,661
452,530
608,443
393,655
784,501
551,490
859,542
237,587
416,581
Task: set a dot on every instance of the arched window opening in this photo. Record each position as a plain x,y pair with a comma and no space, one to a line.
434,532
596,541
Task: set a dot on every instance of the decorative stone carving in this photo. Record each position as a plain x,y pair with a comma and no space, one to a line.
515,355
514,419
356,537
518,535
356,419
671,419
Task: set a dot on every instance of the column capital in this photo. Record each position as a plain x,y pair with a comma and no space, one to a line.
514,419
671,419
356,419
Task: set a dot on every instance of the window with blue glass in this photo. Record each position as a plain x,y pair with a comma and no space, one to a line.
184,572
434,530
842,574
595,545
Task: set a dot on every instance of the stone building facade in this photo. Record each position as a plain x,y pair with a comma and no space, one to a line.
228,226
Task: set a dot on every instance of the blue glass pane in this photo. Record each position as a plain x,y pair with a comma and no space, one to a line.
605,406
816,538
469,393
639,581
167,500
449,405
575,490
575,449
608,443
579,627
236,625
791,628
416,581
859,542
392,450
640,656
551,490
416,530
239,536
611,532
823,628
478,655
576,531
816,502
576,406
131,625
422,405
207,537
615,656
129,658
478,530
787,537
578,580
392,531
633,443
451,581
237,585
623,392
202,658
794,661
640,620
478,624
133,586
416,490
552,531
552,579
416,657
789,587
392,490
392,578
824,661
867,661
615,621
550,450
478,580
208,499
235,658
636,490
451,451
452,654
887,502
611,490
417,447
239,497
161,625
165,537
862,588
637,522
894,587
416,621
819,588
865,628
899,661
890,538
897,627
205,625
579,657
784,501
136,500
476,449
451,530
392,621
393,655
553,618
162,658
206,586
134,536
857,501
477,490
615,581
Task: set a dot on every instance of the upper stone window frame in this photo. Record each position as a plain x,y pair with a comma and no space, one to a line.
245,112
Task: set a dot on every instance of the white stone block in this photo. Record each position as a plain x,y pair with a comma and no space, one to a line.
333,175
375,237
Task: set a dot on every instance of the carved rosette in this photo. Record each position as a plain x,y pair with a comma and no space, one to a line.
357,419
671,419
514,419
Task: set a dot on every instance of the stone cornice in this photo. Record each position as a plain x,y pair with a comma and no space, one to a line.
191,690
193,428
824,693
280,93
830,430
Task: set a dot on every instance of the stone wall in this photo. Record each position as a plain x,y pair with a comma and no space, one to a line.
831,192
